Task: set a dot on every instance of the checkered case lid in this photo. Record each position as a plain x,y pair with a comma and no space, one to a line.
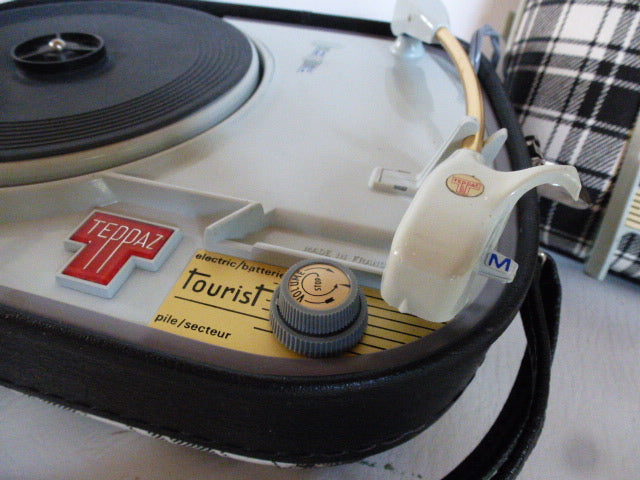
573,75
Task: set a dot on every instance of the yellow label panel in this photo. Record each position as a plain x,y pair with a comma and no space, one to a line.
224,300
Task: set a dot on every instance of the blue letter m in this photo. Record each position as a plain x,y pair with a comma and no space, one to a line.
504,264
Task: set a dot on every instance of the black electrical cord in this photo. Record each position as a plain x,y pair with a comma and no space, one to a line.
501,454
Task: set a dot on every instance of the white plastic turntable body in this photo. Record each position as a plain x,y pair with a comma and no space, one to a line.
280,172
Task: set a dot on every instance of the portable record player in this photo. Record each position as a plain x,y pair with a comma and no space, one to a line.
164,163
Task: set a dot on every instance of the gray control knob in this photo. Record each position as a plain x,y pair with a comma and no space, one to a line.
319,310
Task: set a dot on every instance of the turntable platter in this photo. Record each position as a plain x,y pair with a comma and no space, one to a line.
80,76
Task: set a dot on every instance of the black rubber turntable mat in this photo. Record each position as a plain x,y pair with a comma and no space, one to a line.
162,63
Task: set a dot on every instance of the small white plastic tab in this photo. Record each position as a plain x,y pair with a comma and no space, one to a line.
493,144
420,19
499,267
452,224
407,183
393,181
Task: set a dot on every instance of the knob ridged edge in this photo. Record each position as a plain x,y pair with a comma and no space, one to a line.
317,346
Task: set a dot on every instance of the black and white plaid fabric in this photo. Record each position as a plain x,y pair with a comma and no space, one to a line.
573,74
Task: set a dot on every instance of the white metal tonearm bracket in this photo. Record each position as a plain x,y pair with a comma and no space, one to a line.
448,235
414,22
